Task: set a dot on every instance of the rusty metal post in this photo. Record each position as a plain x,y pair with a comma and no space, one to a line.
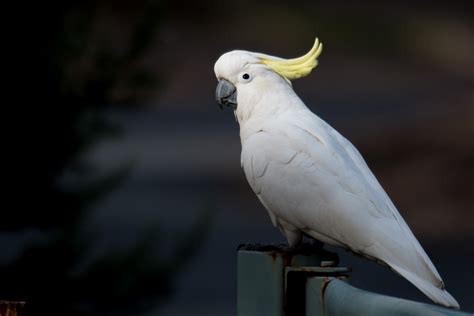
8,308
259,283
315,288
271,279
277,281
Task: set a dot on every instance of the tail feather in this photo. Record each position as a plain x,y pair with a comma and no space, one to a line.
407,258
438,295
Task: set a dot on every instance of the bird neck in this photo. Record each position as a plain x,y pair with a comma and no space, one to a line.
253,112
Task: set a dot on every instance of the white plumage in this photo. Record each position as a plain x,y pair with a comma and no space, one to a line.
312,180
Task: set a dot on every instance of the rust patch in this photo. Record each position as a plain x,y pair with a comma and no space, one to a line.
326,282
8,308
286,257
274,255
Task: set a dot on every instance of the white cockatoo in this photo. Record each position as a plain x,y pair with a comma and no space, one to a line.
310,178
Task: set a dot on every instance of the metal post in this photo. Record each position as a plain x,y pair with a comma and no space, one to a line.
271,279
277,281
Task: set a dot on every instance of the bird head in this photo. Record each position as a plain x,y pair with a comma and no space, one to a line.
241,73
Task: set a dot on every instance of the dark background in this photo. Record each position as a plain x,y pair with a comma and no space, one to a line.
124,193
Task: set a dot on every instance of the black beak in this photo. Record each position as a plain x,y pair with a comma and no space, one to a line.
226,94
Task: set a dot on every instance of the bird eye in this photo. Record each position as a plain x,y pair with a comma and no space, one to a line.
246,76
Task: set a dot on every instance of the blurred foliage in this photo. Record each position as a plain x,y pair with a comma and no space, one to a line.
72,63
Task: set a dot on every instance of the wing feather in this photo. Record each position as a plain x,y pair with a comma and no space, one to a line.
308,174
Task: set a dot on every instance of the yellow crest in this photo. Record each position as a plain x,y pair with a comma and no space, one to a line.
297,67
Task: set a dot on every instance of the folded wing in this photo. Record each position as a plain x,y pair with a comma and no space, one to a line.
308,175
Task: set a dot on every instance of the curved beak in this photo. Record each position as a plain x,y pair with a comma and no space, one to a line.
226,94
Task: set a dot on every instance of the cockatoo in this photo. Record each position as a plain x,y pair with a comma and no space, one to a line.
310,178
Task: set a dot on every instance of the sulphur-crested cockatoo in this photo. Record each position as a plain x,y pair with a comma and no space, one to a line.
310,178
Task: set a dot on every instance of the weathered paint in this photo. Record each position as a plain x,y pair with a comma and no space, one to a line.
332,297
315,287
262,276
259,284
277,281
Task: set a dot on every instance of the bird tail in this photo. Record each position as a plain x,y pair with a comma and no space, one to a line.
406,257
438,295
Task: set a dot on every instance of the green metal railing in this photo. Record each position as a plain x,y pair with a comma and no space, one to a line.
273,281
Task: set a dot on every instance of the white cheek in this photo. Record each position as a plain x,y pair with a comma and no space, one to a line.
248,94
